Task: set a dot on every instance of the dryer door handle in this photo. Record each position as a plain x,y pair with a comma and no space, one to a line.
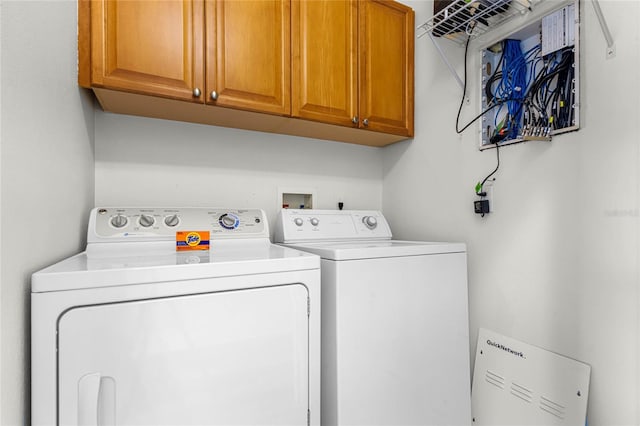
96,400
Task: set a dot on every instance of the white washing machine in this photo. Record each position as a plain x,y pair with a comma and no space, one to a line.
395,330
133,332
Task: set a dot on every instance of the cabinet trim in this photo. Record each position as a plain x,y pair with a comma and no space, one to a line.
170,109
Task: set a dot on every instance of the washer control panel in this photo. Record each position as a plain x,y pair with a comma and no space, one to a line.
158,224
317,225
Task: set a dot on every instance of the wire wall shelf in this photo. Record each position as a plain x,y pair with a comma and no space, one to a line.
459,19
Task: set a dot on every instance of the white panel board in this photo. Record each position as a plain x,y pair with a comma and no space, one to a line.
515,383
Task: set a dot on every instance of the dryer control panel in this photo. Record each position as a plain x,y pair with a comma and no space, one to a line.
325,225
160,224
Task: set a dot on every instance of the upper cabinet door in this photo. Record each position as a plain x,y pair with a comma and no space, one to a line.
150,47
248,57
386,66
325,43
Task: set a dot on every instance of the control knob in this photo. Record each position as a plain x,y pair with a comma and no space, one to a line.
119,221
298,221
315,221
172,220
146,220
228,221
370,222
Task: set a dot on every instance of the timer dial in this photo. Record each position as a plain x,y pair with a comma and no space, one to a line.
229,221
119,221
370,222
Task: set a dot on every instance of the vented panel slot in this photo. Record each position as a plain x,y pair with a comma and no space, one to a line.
552,407
494,379
521,392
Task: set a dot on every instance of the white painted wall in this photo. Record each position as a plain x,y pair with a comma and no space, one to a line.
153,162
46,171
557,264
0,205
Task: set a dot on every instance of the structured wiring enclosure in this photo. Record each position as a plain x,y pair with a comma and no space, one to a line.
548,103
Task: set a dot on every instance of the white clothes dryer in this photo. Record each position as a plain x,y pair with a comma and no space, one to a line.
395,328
133,332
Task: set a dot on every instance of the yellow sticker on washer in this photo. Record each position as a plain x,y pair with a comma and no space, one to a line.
192,240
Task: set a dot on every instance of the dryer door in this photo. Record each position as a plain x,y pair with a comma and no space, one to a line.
227,358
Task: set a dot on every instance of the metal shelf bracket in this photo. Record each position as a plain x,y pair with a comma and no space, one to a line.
611,47
446,60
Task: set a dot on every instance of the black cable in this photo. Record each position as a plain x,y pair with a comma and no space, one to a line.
492,173
464,87
492,103
477,117
482,193
543,94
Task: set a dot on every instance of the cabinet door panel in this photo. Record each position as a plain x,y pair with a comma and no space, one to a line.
386,66
152,47
324,78
248,54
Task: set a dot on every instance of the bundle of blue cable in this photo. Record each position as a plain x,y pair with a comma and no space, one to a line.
513,85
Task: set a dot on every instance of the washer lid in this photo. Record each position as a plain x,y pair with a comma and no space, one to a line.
142,267
353,250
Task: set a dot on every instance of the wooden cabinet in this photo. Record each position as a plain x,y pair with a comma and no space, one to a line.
248,58
325,60
158,48
353,63
152,47
329,69
386,66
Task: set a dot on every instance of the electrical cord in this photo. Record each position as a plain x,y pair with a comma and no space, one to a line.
480,186
493,104
548,104
533,94
464,94
477,117
490,174
464,87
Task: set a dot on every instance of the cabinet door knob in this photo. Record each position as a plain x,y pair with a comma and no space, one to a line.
196,92
365,121
214,95
355,120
